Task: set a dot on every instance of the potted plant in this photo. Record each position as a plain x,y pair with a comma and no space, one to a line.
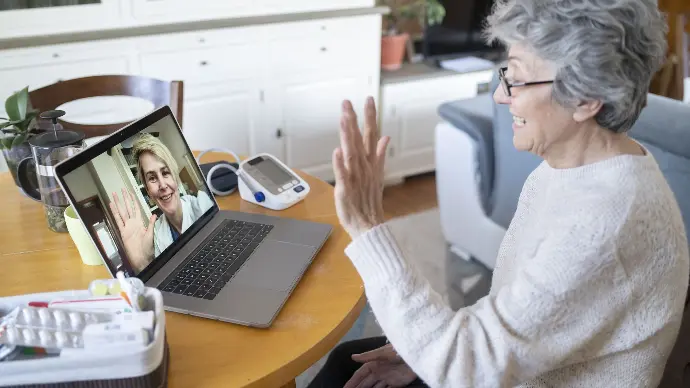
394,41
16,129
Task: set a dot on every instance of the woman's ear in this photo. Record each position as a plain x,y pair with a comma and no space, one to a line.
586,110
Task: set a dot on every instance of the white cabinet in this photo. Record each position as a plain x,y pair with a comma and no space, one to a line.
409,114
273,88
311,113
224,119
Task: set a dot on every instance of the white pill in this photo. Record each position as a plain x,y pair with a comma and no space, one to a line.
75,340
76,320
60,318
61,339
46,337
28,335
90,318
46,318
29,315
12,334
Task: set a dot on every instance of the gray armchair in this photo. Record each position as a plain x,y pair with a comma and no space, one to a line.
480,174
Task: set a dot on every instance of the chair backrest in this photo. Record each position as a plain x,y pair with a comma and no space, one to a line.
663,129
158,92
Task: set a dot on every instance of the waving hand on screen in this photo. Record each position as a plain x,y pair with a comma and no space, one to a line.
137,238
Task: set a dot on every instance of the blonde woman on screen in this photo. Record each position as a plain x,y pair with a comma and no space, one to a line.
157,170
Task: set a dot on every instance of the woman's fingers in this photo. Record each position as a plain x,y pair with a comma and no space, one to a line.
122,212
345,140
135,209
371,132
125,199
359,376
381,384
339,166
116,213
148,235
368,381
353,147
371,355
381,149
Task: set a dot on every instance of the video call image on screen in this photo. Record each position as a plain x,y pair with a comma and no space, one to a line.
149,177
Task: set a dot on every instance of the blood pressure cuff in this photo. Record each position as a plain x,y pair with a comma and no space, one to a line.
223,179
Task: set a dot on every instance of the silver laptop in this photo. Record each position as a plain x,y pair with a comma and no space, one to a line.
225,265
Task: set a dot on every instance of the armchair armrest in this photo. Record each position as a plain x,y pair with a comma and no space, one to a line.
475,117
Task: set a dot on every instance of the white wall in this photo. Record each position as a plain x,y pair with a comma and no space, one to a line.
81,184
686,87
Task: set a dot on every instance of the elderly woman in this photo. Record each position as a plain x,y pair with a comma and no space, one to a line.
158,170
590,281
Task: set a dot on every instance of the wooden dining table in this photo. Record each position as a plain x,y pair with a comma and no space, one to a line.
204,352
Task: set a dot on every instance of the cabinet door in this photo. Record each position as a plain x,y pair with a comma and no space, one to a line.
171,10
311,111
222,120
410,116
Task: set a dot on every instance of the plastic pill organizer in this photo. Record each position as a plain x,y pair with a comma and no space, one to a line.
90,336
47,328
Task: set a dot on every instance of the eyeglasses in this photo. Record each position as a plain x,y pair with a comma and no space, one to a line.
507,86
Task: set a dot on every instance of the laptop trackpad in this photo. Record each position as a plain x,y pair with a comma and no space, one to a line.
275,265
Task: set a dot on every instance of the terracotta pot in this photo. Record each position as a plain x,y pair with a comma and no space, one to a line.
393,51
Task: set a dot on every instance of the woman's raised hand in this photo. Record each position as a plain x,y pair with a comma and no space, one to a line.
358,166
137,238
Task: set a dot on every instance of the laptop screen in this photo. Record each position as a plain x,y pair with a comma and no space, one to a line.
141,196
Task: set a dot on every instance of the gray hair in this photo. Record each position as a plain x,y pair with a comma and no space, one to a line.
603,50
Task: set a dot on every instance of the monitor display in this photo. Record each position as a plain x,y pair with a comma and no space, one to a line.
139,197
460,32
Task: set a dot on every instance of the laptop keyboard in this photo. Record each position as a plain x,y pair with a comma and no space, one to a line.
206,272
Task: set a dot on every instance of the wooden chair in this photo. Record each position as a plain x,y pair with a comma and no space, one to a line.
678,16
158,92
679,55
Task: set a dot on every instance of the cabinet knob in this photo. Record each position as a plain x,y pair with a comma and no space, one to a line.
202,40
203,63
323,49
56,55
279,133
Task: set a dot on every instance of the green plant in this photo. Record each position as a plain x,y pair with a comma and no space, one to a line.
426,12
18,126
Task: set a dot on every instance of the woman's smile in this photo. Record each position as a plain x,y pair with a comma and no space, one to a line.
166,198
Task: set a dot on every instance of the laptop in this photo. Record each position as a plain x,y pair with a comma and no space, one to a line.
225,265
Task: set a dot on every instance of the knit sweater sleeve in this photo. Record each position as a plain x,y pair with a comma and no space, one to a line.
514,334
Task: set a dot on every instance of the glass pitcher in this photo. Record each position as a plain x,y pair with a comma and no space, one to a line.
36,174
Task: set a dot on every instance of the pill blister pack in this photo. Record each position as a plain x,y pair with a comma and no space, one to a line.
46,327
103,287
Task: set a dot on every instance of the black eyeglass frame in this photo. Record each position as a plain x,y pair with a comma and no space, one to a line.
507,86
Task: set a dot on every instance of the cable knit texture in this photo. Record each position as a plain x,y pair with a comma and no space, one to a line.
588,288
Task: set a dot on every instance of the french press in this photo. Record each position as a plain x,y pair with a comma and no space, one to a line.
36,174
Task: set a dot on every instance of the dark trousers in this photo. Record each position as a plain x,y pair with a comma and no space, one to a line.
340,366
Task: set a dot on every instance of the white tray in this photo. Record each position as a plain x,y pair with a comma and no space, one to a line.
86,366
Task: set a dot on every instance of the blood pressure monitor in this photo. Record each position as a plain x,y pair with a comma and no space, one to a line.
266,181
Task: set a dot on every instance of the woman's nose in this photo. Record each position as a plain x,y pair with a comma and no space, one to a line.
500,96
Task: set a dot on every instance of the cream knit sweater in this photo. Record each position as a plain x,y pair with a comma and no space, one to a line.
588,288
